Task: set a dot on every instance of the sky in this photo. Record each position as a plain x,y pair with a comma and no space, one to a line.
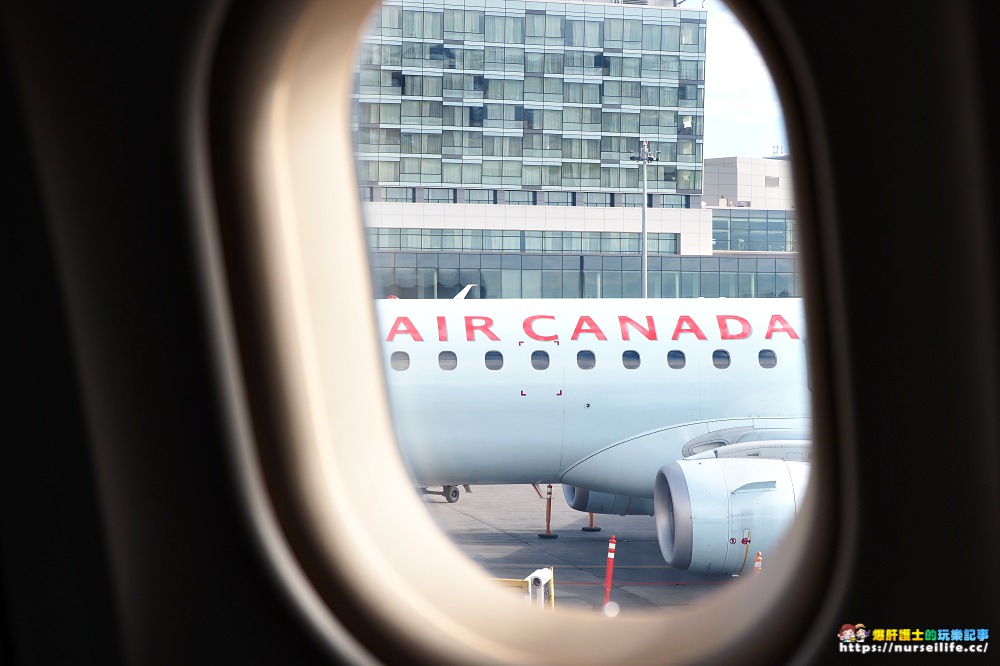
742,115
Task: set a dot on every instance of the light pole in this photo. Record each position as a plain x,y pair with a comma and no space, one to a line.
645,157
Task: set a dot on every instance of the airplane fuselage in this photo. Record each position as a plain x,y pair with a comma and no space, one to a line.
520,391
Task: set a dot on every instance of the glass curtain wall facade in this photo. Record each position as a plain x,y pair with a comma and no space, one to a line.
430,274
531,103
753,230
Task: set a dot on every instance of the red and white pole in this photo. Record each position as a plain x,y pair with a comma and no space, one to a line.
609,571
548,515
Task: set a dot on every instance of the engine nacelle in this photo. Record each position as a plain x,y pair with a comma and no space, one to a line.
592,501
714,514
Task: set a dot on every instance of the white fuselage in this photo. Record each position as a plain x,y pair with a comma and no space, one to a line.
522,423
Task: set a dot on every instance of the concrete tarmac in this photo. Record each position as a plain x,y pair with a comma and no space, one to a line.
498,527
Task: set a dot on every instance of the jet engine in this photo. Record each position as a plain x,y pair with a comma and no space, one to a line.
592,501
713,514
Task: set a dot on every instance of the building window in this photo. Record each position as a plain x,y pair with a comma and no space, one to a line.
481,196
632,200
560,198
439,196
663,243
398,194
476,116
596,199
520,198
367,193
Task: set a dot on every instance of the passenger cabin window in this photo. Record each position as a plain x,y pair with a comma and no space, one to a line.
494,360
447,360
767,358
480,112
399,360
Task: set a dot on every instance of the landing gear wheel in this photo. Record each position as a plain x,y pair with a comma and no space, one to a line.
452,493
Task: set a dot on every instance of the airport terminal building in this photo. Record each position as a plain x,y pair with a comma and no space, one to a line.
495,143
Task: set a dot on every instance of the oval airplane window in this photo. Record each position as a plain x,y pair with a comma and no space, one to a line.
509,157
493,360
399,360
447,360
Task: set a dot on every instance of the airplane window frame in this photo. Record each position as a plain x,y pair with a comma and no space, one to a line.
312,422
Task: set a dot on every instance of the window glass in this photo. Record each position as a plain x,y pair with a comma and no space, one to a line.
517,197
767,358
481,196
720,359
630,359
585,359
676,359
494,360
559,198
447,360
399,360
539,360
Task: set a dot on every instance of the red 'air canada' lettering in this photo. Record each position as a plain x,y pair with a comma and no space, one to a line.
483,326
403,326
591,327
731,327
529,328
726,333
686,325
779,325
649,332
